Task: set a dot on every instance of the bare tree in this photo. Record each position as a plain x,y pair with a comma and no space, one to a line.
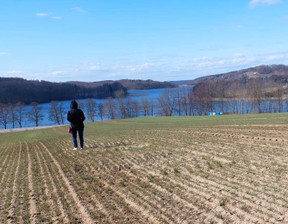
91,109
110,108
145,106
183,100
255,92
135,108
19,108
61,112
220,93
178,100
101,110
166,103
204,93
4,115
129,107
151,108
34,114
191,103
81,105
54,113
12,111
279,98
122,107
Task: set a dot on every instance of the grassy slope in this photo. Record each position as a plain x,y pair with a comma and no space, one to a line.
164,170
128,126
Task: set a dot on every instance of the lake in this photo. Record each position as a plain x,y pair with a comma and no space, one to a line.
135,95
235,106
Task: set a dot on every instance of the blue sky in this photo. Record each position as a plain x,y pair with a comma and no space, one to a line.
93,40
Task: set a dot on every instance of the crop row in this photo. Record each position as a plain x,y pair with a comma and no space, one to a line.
156,176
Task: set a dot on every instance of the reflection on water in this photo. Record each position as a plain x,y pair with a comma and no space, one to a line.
234,106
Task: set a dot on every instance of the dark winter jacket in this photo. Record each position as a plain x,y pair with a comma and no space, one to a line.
75,116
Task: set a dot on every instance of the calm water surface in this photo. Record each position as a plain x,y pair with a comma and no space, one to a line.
239,106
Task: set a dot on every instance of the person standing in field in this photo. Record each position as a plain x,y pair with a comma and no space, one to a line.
76,117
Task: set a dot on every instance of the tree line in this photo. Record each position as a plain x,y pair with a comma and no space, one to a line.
13,90
253,91
180,101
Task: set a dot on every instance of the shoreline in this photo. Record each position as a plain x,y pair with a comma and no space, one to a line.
27,128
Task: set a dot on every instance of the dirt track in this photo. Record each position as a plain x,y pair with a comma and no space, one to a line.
198,175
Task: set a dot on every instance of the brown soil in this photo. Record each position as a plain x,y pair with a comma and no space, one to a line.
224,174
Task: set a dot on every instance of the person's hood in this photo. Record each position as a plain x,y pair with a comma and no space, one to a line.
73,104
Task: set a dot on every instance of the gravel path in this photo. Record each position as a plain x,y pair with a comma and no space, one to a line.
27,128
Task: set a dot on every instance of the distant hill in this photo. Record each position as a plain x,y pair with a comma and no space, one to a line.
265,81
131,84
13,90
272,74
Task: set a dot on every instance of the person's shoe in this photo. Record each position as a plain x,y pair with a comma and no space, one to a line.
75,149
81,148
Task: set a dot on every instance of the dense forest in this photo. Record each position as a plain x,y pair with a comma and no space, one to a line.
271,74
265,81
13,90
135,84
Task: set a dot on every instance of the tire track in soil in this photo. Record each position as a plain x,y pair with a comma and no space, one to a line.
157,205
129,200
120,209
11,212
132,161
163,193
60,205
270,193
123,196
219,180
264,183
96,203
177,217
251,198
48,193
5,181
32,200
226,189
184,199
86,218
4,165
245,183
202,193
218,184
4,155
22,202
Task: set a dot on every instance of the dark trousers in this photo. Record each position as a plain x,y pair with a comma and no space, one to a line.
74,136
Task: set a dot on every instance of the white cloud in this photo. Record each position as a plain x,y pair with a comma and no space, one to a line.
166,70
15,72
3,53
49,15
78,9
58,73
255,3
274,58
41,14
56,17
161,69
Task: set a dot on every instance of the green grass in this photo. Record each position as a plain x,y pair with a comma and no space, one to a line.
124,127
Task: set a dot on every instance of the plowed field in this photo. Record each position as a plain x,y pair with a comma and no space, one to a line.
229,169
